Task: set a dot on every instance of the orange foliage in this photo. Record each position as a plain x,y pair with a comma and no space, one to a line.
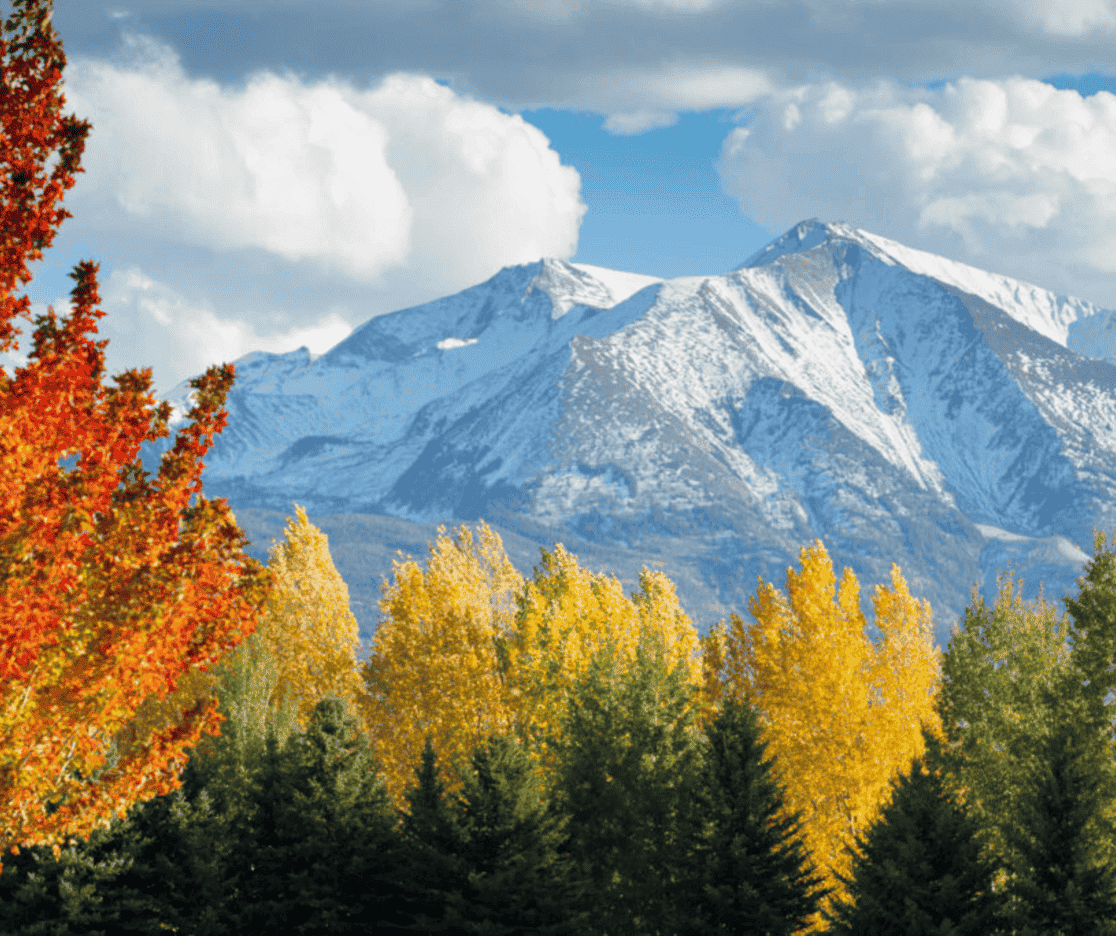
114,586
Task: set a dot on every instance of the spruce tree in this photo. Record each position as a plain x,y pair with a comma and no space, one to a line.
321,856
628,777
1065,880
433,867
756,874
490,859
919,868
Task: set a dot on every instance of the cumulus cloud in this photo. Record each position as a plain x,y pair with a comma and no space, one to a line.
282,211
1013,175
151,324
406,174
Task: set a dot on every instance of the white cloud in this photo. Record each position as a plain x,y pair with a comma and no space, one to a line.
635,122
281,212
1013,175
1071,17
485,188
648,100
150,324
403,176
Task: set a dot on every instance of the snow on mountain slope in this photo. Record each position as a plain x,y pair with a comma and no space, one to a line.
1073,323
900,406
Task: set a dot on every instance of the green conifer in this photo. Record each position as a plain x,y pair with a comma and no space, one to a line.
755,872
490,859
919,869
322,853
629,780
1065,880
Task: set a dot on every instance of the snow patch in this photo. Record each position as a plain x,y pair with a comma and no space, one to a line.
992,532
448,344
1056,544
622,285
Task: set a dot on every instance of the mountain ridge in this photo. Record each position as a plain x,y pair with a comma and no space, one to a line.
837,385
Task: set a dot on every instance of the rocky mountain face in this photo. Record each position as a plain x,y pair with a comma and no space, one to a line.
899,406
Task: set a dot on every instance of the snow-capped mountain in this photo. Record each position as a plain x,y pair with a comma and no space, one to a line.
900,406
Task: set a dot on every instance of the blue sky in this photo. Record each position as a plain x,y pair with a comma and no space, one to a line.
655,201
264,175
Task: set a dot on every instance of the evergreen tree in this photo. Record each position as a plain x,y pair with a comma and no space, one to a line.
433,846
490,859
1093,629
919,868
1065,880
755,870
629,778
321,855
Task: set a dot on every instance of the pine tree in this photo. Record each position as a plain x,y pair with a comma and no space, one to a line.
1093,627
629,778
1065,880
491,858
520,878
434,866
756,874
322,856
919,868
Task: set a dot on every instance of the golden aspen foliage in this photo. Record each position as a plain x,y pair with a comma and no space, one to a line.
842,714
306,622
568,614
434,668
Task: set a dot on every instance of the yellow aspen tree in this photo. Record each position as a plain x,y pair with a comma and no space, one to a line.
567,615
306,622
842,714
434,668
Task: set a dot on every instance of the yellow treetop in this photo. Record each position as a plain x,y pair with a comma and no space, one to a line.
842,713
306,623
566,615
434,667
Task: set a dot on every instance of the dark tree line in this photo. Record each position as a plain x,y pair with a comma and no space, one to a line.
653,827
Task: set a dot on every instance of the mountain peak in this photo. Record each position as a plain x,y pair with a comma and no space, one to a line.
802,237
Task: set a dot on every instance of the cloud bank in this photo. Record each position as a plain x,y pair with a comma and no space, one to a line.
638,62
406,187
1012,175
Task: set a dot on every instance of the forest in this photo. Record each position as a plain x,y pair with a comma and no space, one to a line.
547,754
190,743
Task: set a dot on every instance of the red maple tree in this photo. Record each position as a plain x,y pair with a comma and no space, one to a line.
117,588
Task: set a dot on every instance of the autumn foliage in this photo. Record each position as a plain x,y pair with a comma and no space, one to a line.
567,616
118,588
434,668
842,714
306,623
468,647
